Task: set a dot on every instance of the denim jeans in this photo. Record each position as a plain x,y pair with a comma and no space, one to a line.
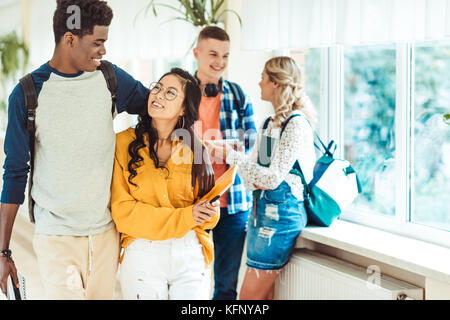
229,238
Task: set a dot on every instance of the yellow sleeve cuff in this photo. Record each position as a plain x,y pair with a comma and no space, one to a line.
189,217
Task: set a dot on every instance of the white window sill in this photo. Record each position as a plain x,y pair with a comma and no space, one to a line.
416,256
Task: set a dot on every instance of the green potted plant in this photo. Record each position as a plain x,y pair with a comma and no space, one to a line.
13,58
199,13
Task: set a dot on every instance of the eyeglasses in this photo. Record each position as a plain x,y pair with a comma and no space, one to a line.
170,93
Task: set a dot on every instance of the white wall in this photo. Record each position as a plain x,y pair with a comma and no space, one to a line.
10,16
245,67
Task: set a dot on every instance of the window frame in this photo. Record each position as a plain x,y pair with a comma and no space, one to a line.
331,115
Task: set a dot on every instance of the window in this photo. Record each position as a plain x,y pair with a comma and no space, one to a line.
387,108
310,63
369,130
431,135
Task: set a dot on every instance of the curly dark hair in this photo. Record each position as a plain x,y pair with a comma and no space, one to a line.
93,13
191,103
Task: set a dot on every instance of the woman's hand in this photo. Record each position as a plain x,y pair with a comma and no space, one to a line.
203,211
218,149
258,187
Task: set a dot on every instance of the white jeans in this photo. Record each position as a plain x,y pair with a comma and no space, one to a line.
172,269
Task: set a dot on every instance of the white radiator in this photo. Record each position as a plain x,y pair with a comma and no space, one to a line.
313,276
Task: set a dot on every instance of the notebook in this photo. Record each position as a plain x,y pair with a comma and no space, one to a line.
13,293
221,185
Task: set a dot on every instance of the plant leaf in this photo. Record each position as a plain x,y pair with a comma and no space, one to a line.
216,9
190,14
177,18
2,105
151,4
232,11
170,7
14,56
447,118
144,11
200,9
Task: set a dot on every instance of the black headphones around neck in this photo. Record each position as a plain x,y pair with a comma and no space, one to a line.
211,89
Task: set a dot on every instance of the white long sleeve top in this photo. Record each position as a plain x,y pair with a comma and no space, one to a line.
297,143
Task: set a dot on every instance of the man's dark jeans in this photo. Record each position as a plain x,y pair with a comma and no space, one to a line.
229,238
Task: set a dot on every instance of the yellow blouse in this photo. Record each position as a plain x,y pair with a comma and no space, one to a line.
160,207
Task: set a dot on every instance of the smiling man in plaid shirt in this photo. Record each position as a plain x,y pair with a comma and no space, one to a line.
225,113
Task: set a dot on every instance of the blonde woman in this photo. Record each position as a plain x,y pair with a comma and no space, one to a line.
279,212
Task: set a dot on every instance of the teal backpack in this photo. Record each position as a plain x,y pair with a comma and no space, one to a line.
334,185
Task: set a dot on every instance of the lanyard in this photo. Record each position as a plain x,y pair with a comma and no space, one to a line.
265,152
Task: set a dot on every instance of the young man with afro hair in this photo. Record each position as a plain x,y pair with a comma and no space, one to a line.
76,242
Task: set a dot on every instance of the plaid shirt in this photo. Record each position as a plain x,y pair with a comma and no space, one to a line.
238,198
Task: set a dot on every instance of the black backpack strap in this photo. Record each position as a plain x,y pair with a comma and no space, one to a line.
266,123
297,170
287,121
31,103
111,80
240,97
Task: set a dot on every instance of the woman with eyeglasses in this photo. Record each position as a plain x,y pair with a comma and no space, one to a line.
154,199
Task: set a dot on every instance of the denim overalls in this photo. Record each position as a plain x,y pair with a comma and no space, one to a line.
277,220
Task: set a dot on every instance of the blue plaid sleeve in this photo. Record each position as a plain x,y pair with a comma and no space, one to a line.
239,199
250,132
